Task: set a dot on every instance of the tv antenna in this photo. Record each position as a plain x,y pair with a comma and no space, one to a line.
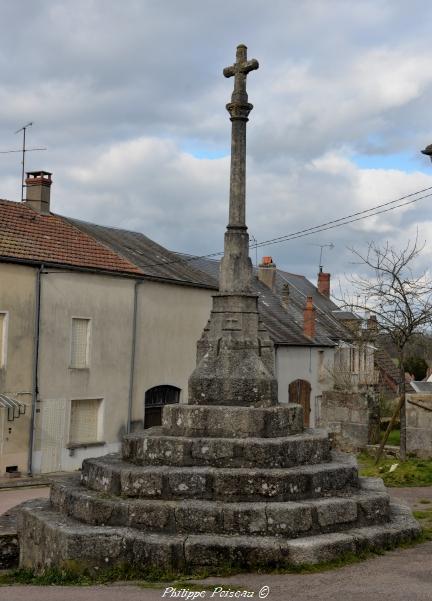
329,245
23,151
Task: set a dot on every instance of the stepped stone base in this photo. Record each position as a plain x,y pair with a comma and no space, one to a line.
192,494
50,539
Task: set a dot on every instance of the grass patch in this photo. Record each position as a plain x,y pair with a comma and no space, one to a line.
394,438
425,519
412,472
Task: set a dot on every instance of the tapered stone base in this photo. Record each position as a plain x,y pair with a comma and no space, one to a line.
193,494
235,357
50,539
232,377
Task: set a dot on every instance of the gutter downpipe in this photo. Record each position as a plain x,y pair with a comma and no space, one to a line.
133,351
35,370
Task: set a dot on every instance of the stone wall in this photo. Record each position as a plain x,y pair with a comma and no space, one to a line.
350,417
419,424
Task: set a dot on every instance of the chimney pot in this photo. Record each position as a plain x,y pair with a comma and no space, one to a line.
267,272
324,283
309,318
38,186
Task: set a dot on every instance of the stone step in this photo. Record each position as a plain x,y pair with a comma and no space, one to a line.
9,550
149,447
232,422
111,475
287,519
49,539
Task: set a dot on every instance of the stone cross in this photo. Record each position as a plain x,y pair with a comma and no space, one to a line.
239,109
235,355
239,71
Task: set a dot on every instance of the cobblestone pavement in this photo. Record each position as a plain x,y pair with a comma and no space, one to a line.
402,575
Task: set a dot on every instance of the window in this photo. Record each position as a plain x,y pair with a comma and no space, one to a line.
85,420
3,339
155,399
80,343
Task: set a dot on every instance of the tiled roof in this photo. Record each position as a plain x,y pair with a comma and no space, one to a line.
285,326
299,289
385,363
152,259
29,236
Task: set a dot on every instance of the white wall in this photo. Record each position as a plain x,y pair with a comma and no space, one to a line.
305,363
17,300
170,320
108,303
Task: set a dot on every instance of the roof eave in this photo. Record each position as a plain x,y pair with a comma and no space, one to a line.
99,271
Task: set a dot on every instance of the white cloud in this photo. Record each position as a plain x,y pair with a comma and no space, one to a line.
117,90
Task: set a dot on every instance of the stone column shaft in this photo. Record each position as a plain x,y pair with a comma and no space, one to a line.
237,205
235,355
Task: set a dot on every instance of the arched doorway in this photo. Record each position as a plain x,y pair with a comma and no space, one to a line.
155,400
299,392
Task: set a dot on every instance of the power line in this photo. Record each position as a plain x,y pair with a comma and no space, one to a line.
314,230
358,216
384,204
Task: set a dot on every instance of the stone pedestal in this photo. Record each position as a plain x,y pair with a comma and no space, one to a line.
215,487
235,356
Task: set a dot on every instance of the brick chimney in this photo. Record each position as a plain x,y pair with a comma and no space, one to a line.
324,283
309,318
38,186
267,272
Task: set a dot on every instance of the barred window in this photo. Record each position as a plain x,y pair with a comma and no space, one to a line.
80,343
84,420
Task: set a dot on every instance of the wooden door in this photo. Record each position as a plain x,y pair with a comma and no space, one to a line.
152,417
299,392
155,400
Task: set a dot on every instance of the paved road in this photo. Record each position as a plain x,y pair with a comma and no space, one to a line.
403,575
13,496
415,497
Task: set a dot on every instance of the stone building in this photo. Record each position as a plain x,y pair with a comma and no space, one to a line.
76,319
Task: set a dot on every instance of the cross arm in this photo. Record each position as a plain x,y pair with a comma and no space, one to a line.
249,66
244,67
229,71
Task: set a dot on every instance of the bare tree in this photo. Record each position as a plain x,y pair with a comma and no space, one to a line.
401,301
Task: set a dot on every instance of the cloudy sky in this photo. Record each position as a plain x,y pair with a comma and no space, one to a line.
129,99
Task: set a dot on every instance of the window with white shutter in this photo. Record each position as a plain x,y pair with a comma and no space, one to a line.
80,343
84,420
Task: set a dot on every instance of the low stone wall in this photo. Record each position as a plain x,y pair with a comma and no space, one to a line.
419,424
350,417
